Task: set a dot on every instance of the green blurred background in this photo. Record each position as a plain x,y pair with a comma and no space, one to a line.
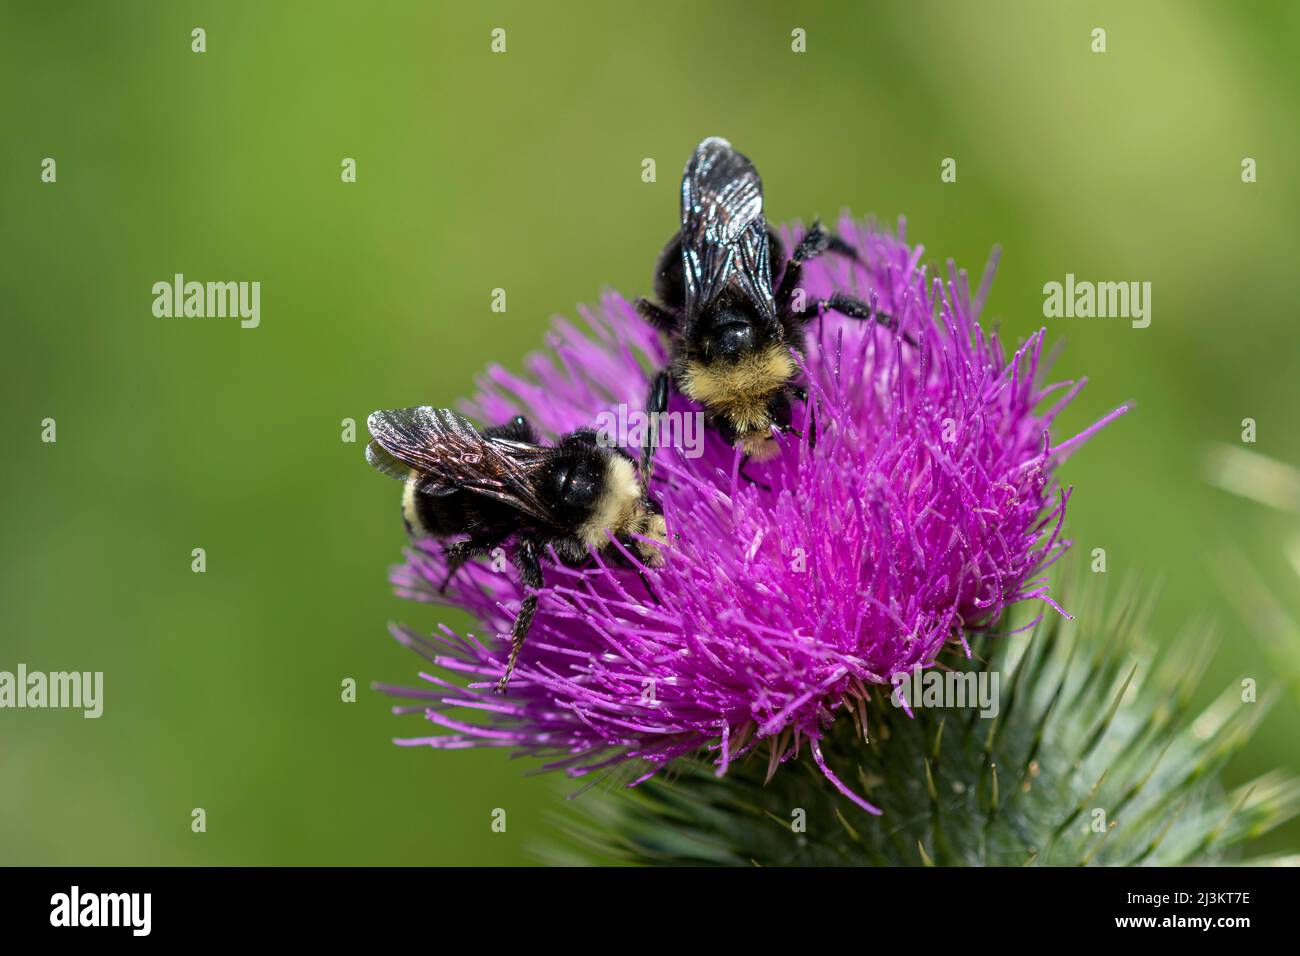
523,171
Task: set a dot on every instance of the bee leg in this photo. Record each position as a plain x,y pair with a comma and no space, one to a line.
457,554
785,292
656,404
841,248
816,242
662,318
460,552
854,308
530,571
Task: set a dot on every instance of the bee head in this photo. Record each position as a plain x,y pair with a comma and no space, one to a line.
576,478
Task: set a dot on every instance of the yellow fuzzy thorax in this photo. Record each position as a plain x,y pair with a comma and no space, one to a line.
740,391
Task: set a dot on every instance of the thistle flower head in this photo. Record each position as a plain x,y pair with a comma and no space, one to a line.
914,503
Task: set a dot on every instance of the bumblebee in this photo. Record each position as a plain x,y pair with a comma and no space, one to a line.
486,489
731,332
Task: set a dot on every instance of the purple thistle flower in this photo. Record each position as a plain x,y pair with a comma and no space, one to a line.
926,506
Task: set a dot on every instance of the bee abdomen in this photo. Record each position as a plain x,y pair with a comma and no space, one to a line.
410,509
426,515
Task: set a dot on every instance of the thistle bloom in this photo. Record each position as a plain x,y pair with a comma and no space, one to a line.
917,506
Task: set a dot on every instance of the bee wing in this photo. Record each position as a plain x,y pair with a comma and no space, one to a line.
449,454
724,234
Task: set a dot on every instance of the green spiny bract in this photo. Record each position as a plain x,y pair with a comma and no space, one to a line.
1094,757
